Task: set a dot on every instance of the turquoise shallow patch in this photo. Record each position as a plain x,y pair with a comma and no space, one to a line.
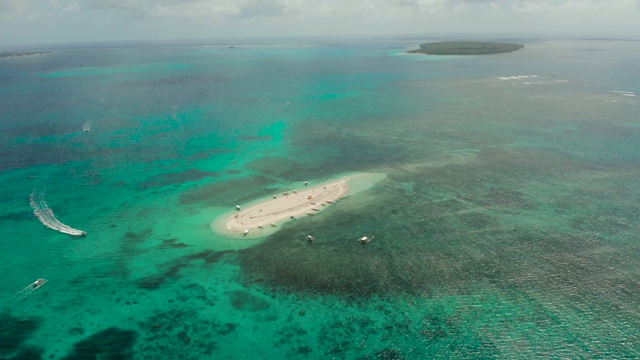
106,71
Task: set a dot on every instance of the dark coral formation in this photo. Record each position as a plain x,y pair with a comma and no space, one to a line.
448,229
177,334
171,269
112,343
14,333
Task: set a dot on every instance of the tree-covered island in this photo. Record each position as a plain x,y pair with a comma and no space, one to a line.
465,48
22,53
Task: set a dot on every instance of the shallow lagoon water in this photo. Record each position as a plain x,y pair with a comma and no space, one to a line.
507,225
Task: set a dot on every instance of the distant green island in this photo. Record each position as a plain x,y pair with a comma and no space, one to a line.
22,53
465,48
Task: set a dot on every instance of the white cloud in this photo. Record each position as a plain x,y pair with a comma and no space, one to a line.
115,4
71,8
577,6
13,6
122,19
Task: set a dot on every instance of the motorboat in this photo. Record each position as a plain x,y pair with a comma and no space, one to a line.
46,216
365,239
28,290
37,284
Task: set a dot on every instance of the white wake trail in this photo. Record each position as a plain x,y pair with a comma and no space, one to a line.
48,218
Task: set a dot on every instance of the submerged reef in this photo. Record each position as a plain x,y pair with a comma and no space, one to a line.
14,335
111,343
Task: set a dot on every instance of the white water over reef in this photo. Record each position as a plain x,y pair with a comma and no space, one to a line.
48,218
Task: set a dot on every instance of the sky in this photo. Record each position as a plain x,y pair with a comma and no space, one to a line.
34,22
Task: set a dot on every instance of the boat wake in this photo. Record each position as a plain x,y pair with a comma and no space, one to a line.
48,218
28,290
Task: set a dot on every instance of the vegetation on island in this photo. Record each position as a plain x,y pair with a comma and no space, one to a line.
22,53
465,48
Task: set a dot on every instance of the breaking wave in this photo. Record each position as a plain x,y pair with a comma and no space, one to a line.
517,77
624,93
47,217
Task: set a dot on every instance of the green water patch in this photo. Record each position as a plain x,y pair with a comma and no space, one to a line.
229,192
110,71
169,271
319,148
415,57
176,178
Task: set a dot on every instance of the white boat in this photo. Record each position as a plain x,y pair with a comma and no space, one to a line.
246,231
28,290
310,238
365,239
37,284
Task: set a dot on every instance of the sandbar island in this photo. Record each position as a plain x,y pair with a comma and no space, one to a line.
265,216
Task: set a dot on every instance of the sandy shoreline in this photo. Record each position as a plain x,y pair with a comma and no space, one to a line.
264,217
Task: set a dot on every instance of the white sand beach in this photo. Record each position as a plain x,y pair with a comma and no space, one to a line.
264,217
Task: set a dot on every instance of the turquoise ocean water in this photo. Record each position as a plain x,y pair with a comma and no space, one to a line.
508,225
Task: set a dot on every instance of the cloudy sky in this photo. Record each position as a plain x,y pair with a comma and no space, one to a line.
24,22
